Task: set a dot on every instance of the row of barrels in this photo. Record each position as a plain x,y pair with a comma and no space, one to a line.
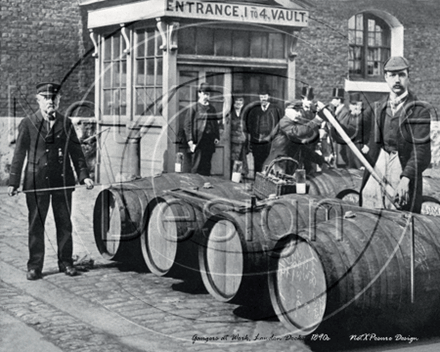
313,259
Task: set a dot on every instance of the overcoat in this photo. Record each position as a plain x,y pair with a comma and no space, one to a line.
50,153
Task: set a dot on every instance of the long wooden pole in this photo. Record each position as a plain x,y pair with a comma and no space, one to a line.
380,179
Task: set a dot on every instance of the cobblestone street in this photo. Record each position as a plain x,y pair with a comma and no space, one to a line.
111,307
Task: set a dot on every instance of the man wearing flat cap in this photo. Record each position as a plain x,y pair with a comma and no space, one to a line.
262,118
293,137
202,131
47,140
399,147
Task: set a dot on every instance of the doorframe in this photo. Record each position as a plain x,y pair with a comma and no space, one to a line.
225,137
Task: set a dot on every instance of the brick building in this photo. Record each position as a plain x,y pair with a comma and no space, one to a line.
49,40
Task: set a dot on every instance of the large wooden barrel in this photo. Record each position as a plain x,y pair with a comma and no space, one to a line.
330,183
119,210
170,240
235,252
172,231
380,271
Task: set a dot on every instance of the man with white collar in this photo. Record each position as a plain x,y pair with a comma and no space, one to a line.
261,120
47,140
399,148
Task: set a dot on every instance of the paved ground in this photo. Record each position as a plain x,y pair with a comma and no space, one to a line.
116,308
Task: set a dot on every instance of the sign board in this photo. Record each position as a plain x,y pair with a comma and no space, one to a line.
225,11
247,13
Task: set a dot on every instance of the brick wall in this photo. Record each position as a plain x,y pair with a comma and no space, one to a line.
42,40
323,45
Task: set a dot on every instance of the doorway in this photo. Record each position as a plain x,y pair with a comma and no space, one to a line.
190,77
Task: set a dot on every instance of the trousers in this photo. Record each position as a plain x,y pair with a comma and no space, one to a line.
38,206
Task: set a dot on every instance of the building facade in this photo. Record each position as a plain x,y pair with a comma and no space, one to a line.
139,63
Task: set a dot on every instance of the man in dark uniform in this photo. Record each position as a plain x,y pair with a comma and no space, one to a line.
202,131
357,125
260,122
238,137
340,111
399,148
49,142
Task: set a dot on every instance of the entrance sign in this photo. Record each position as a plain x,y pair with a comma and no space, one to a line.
237,12
246,13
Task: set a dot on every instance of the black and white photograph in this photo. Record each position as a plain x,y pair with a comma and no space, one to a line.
245,175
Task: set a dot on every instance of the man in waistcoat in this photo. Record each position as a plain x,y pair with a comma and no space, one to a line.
399,148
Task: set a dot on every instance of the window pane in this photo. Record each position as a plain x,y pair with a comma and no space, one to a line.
377,55
370,68
240,43
139,101
357,67
359,22
158,107
123,102
139,72
371,38
116,49
371,25
107,48
359,37
158,41
187,40
115,102
123,73
352,23
140,44
351,37
159,72
107,102
150,72
205,41
276,46
223,42
150,43
379,39
116,74
107,76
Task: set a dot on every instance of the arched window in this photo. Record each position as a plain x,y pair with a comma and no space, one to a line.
369,45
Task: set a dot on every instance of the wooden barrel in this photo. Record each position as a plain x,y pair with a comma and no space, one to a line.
119,210
170,240
234,255
172,233
330,183
371,273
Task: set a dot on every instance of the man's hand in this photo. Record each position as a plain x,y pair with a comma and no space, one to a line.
402,190
12,191
89,183
192,146
365,149
216,141
319,106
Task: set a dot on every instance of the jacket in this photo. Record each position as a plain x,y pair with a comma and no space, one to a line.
49,154
201,121
413,144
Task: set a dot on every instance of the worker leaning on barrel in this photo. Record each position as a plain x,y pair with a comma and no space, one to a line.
294,136
49,142
399,147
